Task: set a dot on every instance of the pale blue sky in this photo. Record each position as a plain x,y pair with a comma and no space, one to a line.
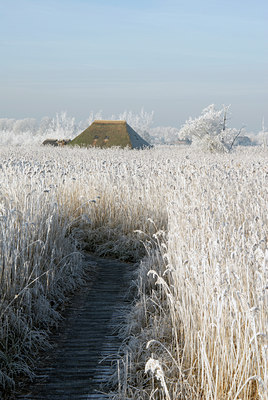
173,57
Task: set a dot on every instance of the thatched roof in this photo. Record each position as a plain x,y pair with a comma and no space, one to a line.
109,133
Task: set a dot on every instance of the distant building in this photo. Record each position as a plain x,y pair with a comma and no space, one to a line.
106,134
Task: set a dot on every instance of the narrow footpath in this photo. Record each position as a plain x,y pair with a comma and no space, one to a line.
85,346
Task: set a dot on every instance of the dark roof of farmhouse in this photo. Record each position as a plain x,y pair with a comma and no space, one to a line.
106,134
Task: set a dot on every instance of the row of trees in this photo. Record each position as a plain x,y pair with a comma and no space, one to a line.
64,126
60,124
210,130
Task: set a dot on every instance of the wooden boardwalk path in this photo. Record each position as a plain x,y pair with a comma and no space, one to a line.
85,345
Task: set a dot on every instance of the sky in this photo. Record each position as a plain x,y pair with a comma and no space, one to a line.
173,57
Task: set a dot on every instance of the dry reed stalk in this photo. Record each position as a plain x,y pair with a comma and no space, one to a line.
203,304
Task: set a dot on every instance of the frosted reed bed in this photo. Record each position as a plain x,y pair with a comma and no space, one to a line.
199,222
199,327
53,204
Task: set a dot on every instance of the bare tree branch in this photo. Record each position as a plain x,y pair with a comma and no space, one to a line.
236,136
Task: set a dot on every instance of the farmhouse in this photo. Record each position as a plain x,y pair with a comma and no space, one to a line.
106,134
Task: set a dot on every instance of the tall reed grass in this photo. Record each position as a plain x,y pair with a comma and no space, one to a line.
199,221
199,327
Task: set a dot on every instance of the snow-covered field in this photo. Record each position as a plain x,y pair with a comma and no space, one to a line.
198,222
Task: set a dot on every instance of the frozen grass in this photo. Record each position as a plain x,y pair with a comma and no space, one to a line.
199,324
199,327
54,203
39,262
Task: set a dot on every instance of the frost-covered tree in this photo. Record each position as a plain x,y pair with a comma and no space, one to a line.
141,122
264,135
18,126
61,126
6,124
210,130
164,134
44,125
25,125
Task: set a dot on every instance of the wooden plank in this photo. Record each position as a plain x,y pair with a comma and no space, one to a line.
85,347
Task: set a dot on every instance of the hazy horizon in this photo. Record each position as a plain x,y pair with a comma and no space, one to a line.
172,57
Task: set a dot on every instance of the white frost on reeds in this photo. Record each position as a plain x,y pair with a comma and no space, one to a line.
39,263
201,307
202,302
217,240
53,203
